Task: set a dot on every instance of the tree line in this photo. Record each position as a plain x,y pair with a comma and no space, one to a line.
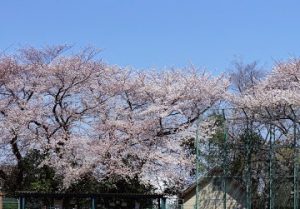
70,120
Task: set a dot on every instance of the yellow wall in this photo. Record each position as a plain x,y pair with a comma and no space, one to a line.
1,200
212,198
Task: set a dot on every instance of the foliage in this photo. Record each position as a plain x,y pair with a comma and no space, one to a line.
88,118
70,120
35,176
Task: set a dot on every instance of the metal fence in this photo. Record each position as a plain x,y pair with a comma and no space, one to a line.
247,160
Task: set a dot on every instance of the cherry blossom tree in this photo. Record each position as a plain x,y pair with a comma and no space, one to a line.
274,99
43,97
85,116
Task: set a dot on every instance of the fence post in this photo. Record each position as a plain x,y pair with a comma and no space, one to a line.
248,141
163,203
295,179
224,161
21,202
271,203
92,202
197,201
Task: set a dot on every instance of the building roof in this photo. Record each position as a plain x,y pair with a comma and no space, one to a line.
86,195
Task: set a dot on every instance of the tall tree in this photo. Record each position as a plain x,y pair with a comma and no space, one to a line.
87,117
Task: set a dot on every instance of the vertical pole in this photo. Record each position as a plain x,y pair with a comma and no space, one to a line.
21,202
158,203
163,203
224,162
93,203
197,201
295,180
248,165
271,204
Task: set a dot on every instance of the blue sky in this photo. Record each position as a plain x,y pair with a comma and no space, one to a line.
158,33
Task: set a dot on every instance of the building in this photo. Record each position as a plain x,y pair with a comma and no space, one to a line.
1,200
44,200
212,193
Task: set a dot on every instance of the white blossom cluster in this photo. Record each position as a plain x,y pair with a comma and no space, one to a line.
88,117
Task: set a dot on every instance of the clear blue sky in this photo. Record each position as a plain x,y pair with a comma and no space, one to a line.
158,33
